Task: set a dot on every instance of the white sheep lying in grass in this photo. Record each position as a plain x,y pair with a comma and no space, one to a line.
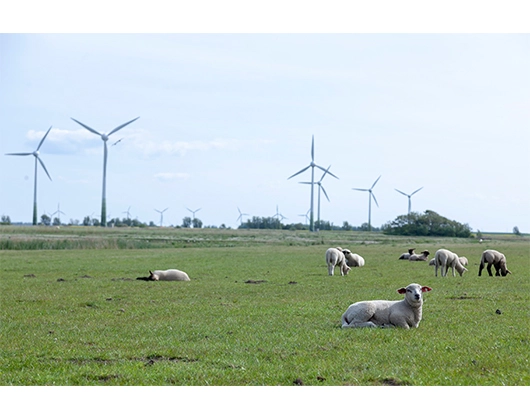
406,255
421,257
495,258
335,257
166,275
445,259
404,313
353,260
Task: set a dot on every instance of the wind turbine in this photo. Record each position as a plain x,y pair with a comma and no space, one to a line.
306,216
312,165
370,195
320,187
193,212
104,137
127,212
240,218
58,213
161,215
408,195
37,158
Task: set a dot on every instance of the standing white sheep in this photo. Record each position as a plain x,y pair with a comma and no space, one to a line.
495,258
404,313
335,257
353,260
445,259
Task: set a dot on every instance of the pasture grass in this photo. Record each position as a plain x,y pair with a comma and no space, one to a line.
260,310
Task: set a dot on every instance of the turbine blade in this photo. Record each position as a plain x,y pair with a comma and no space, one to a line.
87,127
324,174
165,209
416,191
376,182
121,126
313,149
44,167
299,172
306,182
374,198
42,141
19,154
360,189
401,192
324,191
326,170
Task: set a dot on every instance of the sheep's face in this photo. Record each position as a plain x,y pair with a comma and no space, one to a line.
346,252
414,293
153,276
504,270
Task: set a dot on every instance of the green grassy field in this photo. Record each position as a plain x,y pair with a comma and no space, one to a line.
260,310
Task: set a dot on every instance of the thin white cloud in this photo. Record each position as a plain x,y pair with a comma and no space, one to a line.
171,176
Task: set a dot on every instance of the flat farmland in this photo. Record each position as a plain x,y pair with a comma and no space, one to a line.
260,309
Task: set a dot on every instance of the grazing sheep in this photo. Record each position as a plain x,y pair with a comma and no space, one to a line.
335,257
463,260
353,260
404,313
495,258
407,255
445,259
431,262
421,257
166,275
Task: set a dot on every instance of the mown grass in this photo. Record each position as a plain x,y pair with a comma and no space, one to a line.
263,312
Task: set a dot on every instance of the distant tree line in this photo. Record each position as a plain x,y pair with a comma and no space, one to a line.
429,223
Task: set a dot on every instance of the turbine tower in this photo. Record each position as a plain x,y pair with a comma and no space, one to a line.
408,195
370,195
312,165
161,215
320,187
37,158
105,138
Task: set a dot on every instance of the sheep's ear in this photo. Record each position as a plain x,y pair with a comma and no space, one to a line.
426,288
508,271
150,272
402,291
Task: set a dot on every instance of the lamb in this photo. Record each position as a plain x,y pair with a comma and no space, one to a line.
353,260
407,255
335,257
463,261
495,258
445,259
404,313
166,275
421,257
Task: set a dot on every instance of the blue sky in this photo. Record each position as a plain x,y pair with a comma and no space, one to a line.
225,119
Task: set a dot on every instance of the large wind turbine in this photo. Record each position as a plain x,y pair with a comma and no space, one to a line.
105,138
37,158
312,165
370,195
161,215
320,187
408,195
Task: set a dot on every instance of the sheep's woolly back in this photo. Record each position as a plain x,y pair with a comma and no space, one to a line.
444,259
169,275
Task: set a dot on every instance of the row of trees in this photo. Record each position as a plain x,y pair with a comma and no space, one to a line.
429,223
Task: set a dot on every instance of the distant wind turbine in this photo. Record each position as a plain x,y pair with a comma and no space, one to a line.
161,215
127,212
306,216
320,187
408,195
58,213
278,215
312,165
370,195
240,218
193,212
104,137
37,158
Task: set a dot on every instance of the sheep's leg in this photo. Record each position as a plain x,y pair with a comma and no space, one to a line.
489,269
357,324
480,268
330,269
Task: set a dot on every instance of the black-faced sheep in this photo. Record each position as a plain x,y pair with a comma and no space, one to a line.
335,257
166,275
419,257
406,255
495,258
445,259
353,260
404,313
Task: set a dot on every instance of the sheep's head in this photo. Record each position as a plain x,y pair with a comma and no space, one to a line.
153,276
414,293
503,269
346,252
345,269
426,253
